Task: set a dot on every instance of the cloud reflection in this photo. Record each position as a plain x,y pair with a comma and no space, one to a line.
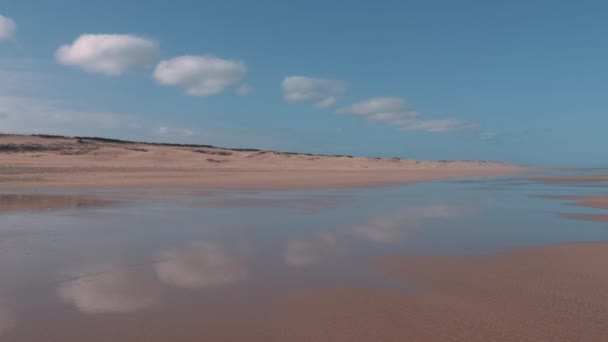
310,252
201,264
399,225
117,290
7,321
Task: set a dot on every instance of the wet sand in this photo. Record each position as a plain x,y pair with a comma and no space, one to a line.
573,178
28,162
223,287
36,202
6,320
596,202
586,217
551,293
66,178
246,266
554,293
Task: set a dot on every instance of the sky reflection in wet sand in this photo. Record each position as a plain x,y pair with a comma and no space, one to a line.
151,257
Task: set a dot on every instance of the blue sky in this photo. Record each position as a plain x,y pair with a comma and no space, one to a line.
518,81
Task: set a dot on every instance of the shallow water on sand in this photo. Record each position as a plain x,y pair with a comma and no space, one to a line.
180,265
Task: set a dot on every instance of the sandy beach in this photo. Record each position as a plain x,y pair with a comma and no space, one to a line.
59,162
553,293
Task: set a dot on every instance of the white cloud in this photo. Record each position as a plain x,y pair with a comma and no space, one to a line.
439,126
23,113
109,54
201,264
201,75
399,225
7,28
322,92
117,290
376,105
327,102
394,111
7,321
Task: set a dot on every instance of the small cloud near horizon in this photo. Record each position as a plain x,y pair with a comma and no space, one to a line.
489,137
172,131
394,111
33,115
323,92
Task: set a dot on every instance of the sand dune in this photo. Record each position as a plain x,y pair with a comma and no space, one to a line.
42,161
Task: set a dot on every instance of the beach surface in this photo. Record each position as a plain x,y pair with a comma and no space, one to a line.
597,201
588,201
472,260
547,293
63,162
573,178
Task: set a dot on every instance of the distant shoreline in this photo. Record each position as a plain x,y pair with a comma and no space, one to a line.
28,162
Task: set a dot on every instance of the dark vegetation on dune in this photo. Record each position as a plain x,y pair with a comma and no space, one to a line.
215,153
26,148
88,140
68,149
59,148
